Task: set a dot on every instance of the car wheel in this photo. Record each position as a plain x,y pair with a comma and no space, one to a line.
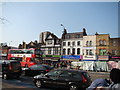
38,83
72,87
5,76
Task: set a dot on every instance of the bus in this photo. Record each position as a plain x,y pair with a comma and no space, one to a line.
27,57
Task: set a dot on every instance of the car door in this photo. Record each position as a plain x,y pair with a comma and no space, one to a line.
51,78
63,79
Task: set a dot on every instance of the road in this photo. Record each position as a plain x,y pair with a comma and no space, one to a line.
26,82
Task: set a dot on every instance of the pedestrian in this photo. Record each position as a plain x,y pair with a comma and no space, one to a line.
98,84
115,78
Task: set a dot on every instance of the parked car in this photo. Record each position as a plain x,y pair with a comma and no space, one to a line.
37,69
63,78
10,69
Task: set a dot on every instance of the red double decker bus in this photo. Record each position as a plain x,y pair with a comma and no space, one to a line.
27,57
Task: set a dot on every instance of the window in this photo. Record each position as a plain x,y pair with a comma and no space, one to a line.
68,36
87,52
64,43
49,41
90,43
56,50
90,52
64,51
49,50
86,43
68,52
114,52
78,51
73,43
68,43
78,43
113,42
54,73
65,74
104,42
73,50
102,52
78,36
100,42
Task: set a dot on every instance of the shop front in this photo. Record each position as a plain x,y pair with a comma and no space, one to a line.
115,58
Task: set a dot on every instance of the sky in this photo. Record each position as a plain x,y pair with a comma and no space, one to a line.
24,21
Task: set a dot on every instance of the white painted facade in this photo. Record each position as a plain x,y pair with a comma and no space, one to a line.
69,47
89,47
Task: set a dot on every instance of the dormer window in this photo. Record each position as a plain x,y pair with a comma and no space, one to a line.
78,36
49,41
68,36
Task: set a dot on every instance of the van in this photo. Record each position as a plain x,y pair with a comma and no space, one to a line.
10,69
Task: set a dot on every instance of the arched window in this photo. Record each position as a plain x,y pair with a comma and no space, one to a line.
64,51
100,42
87,52
78,43
86,43
104,42
73,43
73,51
90,43
78,51
68,43
90,52
64,43
68,52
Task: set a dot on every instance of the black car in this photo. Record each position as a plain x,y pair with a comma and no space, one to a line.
63,78
10,69
37,69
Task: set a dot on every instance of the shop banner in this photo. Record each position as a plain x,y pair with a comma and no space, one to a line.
115,57
103,57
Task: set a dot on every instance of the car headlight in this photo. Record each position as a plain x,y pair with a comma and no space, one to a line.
35,77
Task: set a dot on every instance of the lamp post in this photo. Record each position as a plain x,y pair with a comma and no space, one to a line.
61,46
62,26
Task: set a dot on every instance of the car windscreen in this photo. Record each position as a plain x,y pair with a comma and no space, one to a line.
54,73
48,67
37,67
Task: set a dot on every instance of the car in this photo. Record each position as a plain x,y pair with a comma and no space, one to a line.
10,69
37,69
63,78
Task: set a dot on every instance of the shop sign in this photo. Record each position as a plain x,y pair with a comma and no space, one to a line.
89,57
71,57
115,57
103,57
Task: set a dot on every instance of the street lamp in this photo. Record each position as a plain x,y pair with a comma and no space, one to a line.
63,26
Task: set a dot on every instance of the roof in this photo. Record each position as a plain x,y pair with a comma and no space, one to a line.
74,35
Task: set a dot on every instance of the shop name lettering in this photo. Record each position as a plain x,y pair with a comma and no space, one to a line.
115,57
